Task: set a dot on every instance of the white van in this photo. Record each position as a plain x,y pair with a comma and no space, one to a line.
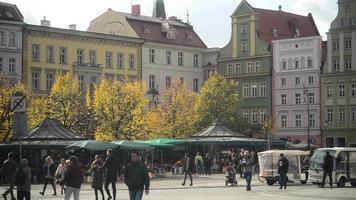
344,166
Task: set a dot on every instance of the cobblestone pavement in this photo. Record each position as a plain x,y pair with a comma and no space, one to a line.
213,188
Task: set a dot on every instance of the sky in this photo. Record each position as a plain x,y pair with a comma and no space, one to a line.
210,18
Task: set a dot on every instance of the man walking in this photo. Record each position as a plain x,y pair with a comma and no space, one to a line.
248,162
208,162
73,179
328,169
9,168
23,181
198,163
188,168
112,173
136,177
283,165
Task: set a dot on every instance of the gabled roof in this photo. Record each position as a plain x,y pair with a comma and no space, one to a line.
51,129
10,12
217,129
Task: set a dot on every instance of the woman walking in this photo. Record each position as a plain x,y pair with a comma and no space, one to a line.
60,174
49,178
98,176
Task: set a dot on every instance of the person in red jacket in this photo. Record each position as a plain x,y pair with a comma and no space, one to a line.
73,179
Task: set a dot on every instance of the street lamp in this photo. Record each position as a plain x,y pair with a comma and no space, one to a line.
306,98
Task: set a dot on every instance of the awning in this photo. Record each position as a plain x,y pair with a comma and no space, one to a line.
131,145
92,145
234,141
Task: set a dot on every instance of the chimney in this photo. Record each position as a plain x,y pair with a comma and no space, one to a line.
45,22
136,10
280,8
173,18
72,27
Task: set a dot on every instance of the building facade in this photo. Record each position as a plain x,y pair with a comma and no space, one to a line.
247,58
210,62
296,93
90,57
11,24
338,79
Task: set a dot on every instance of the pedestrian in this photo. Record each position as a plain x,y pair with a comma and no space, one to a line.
73,179
112,167
60,174
23,181
198,163
248,163
328,169
208,162
9,168
98,176
283,165
240,167
50,170
136,177
188,167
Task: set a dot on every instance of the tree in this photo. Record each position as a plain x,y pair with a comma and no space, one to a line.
173,117
218,100
119,107
37,111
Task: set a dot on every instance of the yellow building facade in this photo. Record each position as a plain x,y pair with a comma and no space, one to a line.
90,57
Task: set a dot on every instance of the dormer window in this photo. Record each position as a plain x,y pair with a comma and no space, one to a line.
147,31
190,37
275,32
171,35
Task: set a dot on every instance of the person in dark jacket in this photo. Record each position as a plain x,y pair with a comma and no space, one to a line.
188,167
248,164
9,168
328,169
98,176
208,162
50,171
24,190
73,179
112,167
283,165
136,177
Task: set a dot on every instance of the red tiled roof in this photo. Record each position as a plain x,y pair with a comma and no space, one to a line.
282,21
156,35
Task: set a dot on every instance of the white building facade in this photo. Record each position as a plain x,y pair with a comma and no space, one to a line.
296,89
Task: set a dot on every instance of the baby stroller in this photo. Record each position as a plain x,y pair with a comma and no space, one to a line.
230,176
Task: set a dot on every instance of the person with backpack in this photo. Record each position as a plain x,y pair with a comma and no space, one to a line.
23,181
9,168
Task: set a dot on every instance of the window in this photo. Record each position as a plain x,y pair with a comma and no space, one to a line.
36,52
246,90
311,97
93,80
283,99
243,46
35,80
348,64
298,120
50,80
244,29
283,81
50,54
229,69
284,64
352,21
81,80
12,38
311,80
257,66
108,59
343,21
249,68
151,56
151,81
2,38
195,60
80,56
168,82
348,44
353,90
168,57
254,116
92,57
297,80
12,65
329,115
342,115
347,8
254,90
297,98
296,63
62,55
341,90
120,60
353,114
246,115
262,89
336,45
336,65
238,68
312,120
341,141
329,142
329,91
310,62
196,85
263,115
131,61
180,58
283,121
1,62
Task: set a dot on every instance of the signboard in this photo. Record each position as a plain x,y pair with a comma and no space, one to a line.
19,102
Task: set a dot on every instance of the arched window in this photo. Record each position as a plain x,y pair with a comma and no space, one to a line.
12,38
296,63
1,37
